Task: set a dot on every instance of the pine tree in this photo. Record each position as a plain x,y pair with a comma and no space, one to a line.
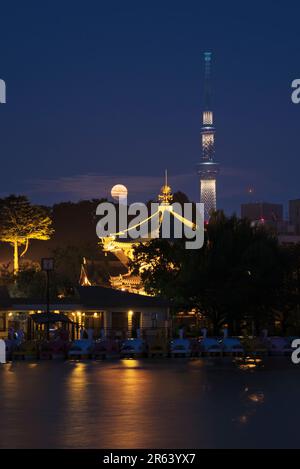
20,222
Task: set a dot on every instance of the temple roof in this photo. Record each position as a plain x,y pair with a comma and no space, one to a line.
94,296
87,297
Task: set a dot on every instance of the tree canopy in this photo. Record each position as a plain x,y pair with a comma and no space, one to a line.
20,222
239,273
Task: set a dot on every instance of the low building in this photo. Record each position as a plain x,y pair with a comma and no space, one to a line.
288,239
111,312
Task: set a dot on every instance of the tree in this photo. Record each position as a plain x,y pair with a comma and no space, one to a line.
68,261
31,282
236,275
160,264
288,308
20,222
240,272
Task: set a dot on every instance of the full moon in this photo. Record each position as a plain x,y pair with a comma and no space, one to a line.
119,192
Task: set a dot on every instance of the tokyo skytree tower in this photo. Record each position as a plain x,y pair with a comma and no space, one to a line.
208,168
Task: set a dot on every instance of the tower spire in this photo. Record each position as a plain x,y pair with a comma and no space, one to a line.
207,81
208,169
165,197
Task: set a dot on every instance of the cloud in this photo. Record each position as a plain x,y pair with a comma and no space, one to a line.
236,182
87,186
232,190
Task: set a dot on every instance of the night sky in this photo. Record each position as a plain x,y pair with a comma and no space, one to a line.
105,92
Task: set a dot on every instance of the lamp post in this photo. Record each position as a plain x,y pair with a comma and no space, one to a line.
47,265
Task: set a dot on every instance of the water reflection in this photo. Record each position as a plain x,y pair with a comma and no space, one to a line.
257,398
243,419
119,392
144,403
249,363
249,400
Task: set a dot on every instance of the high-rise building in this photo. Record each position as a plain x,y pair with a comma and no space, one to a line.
294,214
262,212
271,216
208,168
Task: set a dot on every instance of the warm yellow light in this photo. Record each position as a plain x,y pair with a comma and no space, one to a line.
78,313
257,397
95,315
130,313
56,311
207,140
10,315
207,118
130,365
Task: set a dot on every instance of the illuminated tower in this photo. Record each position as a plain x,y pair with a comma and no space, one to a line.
208,169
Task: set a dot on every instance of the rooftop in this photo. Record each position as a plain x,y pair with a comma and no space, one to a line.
87,297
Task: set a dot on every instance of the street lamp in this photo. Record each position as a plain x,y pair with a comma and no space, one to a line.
47,265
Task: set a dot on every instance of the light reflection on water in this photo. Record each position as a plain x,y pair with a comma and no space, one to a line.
249,363
144,404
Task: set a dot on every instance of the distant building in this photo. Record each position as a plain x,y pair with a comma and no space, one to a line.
262,212
288,239
271,216
294,214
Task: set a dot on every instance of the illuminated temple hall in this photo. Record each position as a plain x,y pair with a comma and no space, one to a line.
208,168
122,249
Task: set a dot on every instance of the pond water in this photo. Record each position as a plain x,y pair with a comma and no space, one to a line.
150,404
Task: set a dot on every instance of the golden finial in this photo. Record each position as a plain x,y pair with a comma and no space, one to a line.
165,196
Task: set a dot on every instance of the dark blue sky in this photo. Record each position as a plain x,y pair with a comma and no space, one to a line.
104,92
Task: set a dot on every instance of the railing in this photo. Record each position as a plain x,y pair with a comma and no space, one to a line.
124,333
